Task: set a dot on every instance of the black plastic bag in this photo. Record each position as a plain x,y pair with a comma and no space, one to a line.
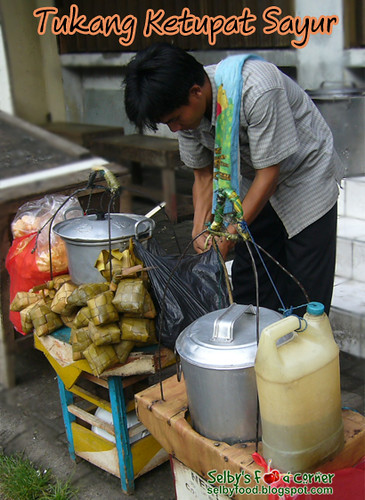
185,288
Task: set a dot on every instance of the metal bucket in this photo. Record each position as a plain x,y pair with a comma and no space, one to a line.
217,354
343,108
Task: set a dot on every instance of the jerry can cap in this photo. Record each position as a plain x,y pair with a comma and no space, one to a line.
315,308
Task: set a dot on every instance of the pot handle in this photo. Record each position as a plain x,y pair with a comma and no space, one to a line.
178,365
326,83
224,323
149,222
72,209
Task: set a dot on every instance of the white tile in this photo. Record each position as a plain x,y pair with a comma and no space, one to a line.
350,296
347,316
344,266
350,227
359,260
339,280
355,198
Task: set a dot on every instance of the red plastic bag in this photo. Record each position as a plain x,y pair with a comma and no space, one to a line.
23,270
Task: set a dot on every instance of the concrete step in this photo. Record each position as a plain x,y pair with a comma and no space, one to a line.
350,261
347,316
352,198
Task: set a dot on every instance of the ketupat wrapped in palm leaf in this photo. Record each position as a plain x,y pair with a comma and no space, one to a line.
130,296
119,258
83,293
23,300
59,304
54,284
149,310
44,320
138,329
82,317
123,350
68,320
100,358
104,334
80,340
58,281
26,322
102,310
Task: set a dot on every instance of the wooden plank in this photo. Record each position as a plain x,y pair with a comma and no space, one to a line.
92,398
91,419
7,342
136,429
128,381
125,457
64,179
354,449
146,149
81,133
167,422
147,454
138,363
68,374
66,398
95,449
96,380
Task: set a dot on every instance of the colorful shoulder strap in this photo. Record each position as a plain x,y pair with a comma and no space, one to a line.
226,179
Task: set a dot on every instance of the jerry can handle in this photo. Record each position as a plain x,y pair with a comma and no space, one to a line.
274,332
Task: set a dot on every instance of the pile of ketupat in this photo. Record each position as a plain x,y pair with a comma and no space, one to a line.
107,320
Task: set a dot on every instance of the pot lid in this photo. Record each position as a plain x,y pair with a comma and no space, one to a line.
224,339
335,91
92,228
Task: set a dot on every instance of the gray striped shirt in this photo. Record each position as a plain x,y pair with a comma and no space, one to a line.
278,124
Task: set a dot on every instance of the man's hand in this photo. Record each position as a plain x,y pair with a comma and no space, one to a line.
201,244
225,245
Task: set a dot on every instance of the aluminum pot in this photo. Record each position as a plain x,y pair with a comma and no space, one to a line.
217,354
85,237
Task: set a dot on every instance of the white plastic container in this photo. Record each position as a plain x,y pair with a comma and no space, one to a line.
299,390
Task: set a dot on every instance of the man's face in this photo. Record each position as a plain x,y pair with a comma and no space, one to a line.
188,116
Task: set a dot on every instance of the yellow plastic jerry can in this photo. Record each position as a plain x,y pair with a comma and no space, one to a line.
299,391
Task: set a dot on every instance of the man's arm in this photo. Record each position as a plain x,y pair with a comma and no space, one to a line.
202,201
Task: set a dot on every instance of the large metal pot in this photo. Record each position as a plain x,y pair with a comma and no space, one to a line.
85,237
217,354
343,108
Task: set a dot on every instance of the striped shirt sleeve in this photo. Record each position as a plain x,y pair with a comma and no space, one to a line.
271,129
192,152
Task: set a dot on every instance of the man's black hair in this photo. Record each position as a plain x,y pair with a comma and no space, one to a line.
158,81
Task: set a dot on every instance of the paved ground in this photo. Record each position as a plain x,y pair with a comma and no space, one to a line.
31,422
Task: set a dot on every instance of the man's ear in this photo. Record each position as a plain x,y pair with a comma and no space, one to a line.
196,91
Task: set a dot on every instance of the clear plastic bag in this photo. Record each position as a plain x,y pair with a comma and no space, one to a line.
28,268
33,215
184,288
